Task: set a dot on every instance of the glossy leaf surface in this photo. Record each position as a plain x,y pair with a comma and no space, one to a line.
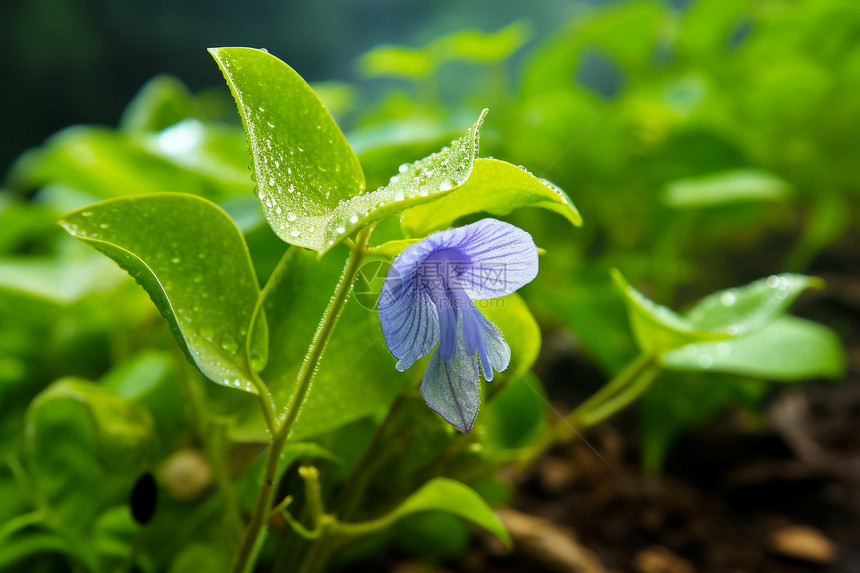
193,263
496,187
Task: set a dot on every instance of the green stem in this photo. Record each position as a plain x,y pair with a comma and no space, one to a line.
252,539
355,483
325,328
618,393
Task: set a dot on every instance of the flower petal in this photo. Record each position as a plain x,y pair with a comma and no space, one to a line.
408,319
450,388
485,338
498,258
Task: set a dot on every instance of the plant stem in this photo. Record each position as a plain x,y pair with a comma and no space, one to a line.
613,397
325,328
252,539
356,480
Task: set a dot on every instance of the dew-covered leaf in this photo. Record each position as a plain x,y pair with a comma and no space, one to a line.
726,187
741,310
302,163
496,187
787,349
450,496
193,263
421,182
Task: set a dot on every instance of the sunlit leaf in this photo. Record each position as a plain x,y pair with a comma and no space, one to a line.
308,178
657,328
481,47
788,349
741,310
397,62
450,496
726,187
193,262
496,187
160,103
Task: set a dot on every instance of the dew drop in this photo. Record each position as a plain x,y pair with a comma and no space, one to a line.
728,298
271,181
445,186
176,260
87,213
104,225
403,167
773,281
706,360
353,219
294,233
291,217
723,349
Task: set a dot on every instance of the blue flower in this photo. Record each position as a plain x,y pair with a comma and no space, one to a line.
427,299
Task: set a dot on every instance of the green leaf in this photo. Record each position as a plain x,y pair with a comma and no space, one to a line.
657,328
123,431
450,496
308,178
397,62
192,261
726,187
741,310
356,376
788,349
514,419
59,282
721,315
493,186
303,165
160,103
481,47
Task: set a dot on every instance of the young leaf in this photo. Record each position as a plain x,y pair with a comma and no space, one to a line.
450,496
657,328
744,309
302,163
308,178
493,186
192,260
788,349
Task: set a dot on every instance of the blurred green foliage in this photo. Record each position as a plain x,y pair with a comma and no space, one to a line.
689,139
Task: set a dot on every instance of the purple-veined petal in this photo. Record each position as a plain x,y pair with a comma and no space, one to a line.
502,259
484,338
450,388
408,319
